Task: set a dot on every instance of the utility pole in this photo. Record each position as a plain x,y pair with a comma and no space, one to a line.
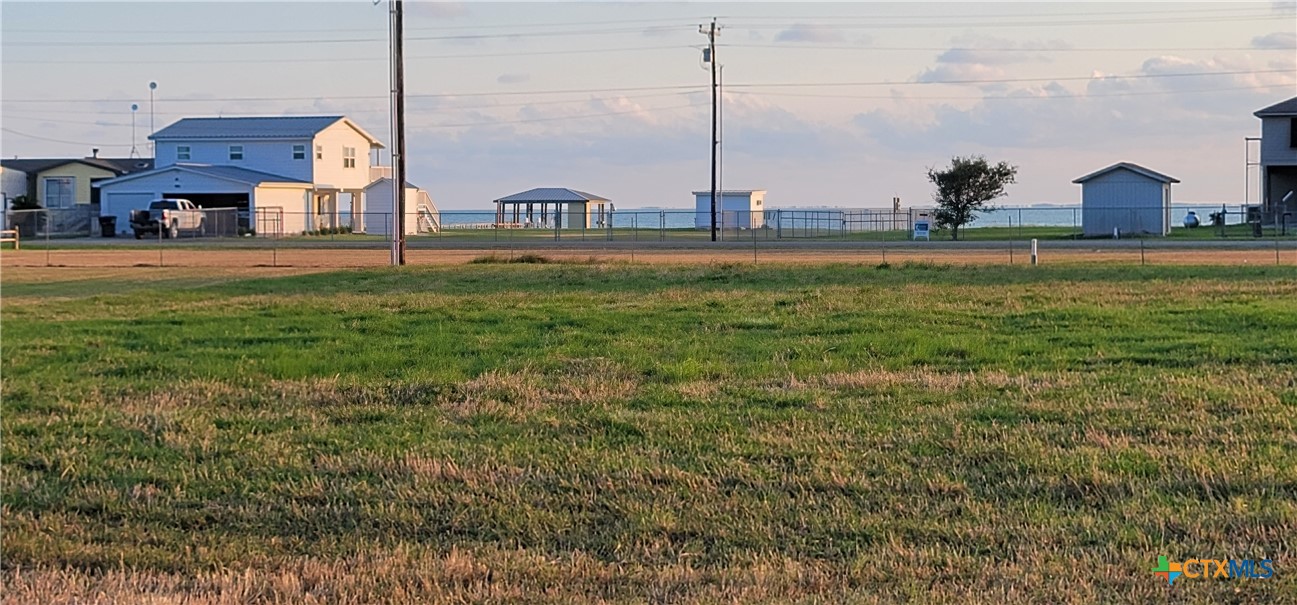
153,150
134,152
710,56
398,134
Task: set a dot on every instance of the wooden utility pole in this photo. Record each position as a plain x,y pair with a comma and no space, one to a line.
398,134
711,57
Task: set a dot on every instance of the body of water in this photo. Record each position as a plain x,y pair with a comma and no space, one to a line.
1037,216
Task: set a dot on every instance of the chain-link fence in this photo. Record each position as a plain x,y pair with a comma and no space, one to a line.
273,236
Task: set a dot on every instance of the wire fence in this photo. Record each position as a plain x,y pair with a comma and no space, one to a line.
273,237
833,224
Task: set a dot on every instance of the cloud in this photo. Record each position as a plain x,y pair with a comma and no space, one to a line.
1276,40
975,57
1107,112
802,32
513,78
960,72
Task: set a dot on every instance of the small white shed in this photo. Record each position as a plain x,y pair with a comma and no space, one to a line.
1126,198
421,215
735,209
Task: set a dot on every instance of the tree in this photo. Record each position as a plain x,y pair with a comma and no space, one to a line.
965,187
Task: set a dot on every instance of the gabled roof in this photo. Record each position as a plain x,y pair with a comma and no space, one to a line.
388,179
118,165
1282,108
262,127
553,194
228,173
1136,168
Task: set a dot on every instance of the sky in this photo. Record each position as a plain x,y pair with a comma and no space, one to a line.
844,104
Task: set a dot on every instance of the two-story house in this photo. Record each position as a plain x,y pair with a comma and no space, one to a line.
284,175
1279,161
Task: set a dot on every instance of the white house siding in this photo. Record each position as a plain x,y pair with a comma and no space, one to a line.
329,172
13,183
378,209
1127,201
281,210
120,203
273,157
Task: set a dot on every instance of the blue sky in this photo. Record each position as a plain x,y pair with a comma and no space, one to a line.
843,104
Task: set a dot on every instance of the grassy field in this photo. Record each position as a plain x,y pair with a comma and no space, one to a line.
619,433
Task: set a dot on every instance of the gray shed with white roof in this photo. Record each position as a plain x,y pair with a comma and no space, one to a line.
1127,198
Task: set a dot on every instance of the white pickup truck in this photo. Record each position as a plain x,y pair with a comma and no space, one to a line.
171,217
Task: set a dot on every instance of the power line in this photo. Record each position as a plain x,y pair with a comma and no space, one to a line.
999,23
680,87
984,15
11,113
279,42
647,22
352,59
677,87
41,138
1151,93
576,117
796,46
1012,80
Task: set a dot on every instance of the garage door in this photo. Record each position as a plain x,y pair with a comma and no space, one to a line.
120,205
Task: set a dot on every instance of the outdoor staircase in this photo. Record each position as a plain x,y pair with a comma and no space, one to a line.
429,217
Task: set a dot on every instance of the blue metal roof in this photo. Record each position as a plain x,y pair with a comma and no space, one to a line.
255,177
1135,168
553,194
1282,108
283,127
231,173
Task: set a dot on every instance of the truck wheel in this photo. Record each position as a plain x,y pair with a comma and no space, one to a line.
139,234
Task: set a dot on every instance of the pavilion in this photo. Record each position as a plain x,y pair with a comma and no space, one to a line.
546,207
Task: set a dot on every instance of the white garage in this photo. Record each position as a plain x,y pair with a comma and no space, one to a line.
267,203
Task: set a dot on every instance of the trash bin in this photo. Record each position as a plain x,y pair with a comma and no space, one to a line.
108,226
1256,229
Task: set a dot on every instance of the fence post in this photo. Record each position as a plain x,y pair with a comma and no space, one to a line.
1035,256
47,238
1141,252
160,242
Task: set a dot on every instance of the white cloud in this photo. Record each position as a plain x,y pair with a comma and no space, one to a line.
802,32
1276,40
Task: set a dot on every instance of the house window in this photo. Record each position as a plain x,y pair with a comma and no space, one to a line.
319,152
236,152
60,191
348,157
182,152
299,152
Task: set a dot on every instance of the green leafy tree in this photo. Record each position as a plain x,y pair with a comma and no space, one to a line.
965,188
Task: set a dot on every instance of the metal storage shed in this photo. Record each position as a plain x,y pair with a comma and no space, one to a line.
1126,198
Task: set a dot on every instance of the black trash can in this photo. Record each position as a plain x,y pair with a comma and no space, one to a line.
108,226
1256,229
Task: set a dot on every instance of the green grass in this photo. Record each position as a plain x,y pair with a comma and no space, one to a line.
584,432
